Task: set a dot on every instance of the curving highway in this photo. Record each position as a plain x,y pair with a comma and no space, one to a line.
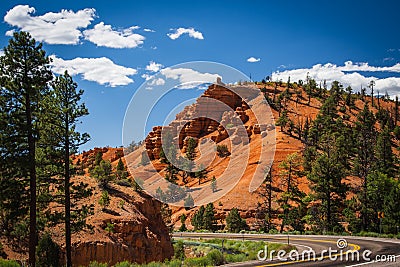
348,251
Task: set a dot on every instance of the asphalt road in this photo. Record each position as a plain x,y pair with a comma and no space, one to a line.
360,251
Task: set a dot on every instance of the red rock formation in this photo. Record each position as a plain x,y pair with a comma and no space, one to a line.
139,238
218,110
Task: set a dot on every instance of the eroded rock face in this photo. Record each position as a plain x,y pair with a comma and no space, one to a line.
203,118
140,238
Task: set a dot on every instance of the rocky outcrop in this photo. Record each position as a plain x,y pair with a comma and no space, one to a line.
140,237
219,110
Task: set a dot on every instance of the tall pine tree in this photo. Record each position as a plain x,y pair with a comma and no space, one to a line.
66,110
24,77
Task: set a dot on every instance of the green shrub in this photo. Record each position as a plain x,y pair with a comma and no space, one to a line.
235,257
223,151
215,257
8,263
109,228
174,263
104,200
47,252
273,231
194,262
179,250
97,264
124,182
124,264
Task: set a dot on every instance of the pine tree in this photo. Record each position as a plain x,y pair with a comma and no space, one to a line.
365,136
396,111
264,208
371,85
201,173
326,177
120,170
290,173
197,219
214,184
102,173
64,111
191,153
98,158
24,81
384,155
183,227
234,222
209,221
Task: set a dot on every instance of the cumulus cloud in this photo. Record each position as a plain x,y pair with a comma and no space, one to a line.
347,74
190,31
148,30
147,76
253,59
101,70
153,66
157,81
52,28
189,78
104,35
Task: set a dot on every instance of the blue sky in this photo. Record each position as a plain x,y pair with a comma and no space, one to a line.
352,41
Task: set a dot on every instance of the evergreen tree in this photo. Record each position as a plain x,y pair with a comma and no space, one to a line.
396,110
120,170
378,193
264,208
214,184
102,173
191,153
104,200
234,222
365,136
98,158
183,227
209,221
201,173
197,219
24,77
371,85
283,120
326,177
290,173
64,111
383,150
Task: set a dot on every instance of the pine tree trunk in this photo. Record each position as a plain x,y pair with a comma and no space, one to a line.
32,183
67,199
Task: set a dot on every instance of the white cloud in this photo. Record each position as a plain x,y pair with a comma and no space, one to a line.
347,74
158,81
148,30
153,66
53,28
104,35
10,32
147,76
189,78
191,31
253,59
101,70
